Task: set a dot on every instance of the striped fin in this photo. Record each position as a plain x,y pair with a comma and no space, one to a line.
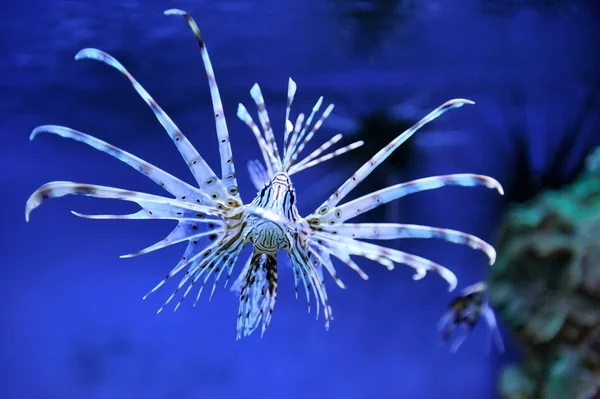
229,266
183,262
324,147
190,217
268,156
227,252
238,283
344,257
227,164
297,127
191,260
370,201
321,256
154,206
203,174
200,260
392,231
310,135
385,152
263,116
290,99
172,184
318,267
308,163
194,263
258,294
298,134
387,257
184,231
312,280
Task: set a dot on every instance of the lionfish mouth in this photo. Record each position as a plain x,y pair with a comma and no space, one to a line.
213,220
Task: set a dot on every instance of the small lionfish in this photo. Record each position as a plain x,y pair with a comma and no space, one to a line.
465,311
271,221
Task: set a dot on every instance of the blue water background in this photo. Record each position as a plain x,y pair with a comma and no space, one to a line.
73,321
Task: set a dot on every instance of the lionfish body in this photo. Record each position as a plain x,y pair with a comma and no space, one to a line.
217,225
465,311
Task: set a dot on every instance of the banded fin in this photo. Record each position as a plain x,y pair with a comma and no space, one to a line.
258,294
309,161
204,175
351,209
393,231
265,122
227,165
153,206
383,154
170,183
184,231
269,158
386,256
298,134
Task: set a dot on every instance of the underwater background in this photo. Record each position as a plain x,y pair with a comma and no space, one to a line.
73,321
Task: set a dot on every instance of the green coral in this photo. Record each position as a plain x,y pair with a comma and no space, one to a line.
546,287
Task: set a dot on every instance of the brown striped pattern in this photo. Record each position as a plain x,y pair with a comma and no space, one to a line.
227,164
385,152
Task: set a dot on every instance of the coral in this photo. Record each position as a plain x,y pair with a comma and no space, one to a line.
546,287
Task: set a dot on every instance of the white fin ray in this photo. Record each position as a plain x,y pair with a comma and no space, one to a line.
393,231
383,154
270,160
227,165
298,134
172,184
154,206
199,260
292,139
313,280
216,263
184,231
190,259
321,254
204,175
351,209
385,255
345,257
230,265
300,147
310,163
265,122
324,147
290,99
254,297
318,267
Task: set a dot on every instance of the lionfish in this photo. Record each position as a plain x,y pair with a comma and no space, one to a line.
465,311
213,212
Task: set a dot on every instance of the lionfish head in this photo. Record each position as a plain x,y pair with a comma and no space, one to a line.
278,197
